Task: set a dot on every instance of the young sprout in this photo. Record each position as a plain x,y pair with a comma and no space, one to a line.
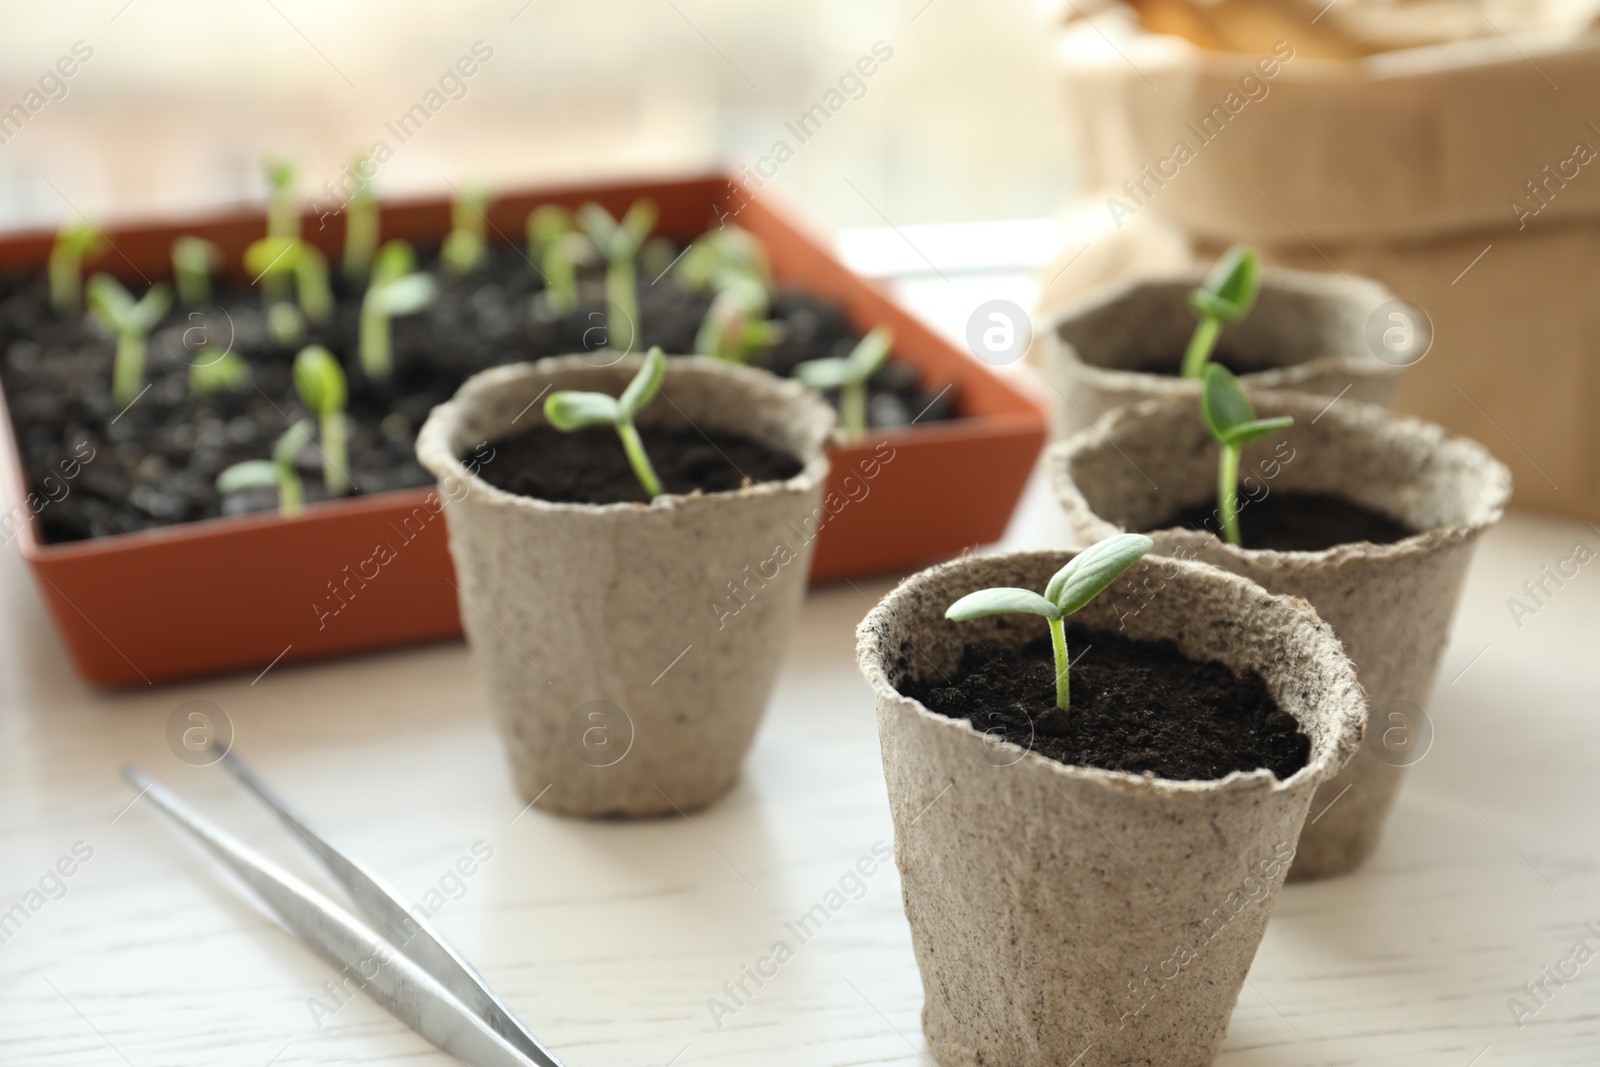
277,473
849,376
319,380
1226,297
76,242
283,204
130,321
713,255
1072,587
273,261
1232,421
568,411
361,225
396,288
620,243
466,247
193,260
218,371
555,243
735,327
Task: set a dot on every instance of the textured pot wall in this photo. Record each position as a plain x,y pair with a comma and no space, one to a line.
1065,915
1307,332
629,650
1391,605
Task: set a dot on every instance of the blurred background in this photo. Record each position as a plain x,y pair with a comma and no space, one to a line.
179,102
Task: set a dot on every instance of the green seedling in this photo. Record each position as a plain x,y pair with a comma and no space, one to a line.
849,375
1226,297
735,327
361,225
715,255
283,202
556,244
130,322
193,260
396,288
276,473
466,247
1072,587
568,411
275,260
217,372
319,380
1232,421
75,242
619,243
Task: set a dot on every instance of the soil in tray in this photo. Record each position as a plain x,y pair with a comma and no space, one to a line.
589,465
1136,706
155,463
1289,521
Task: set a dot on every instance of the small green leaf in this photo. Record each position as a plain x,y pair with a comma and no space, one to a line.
568,411
251,474
395,259
403,296
637,224
1223,403
602,229
1002,601
218,371
271,255
146,314
825,373
319,380
196,254
1096,567
871,352
293,440
1249,432
1230,289
644,385
109,302
545,224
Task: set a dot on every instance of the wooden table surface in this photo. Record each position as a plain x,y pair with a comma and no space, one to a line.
611,939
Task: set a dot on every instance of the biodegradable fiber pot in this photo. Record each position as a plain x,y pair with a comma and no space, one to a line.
625,678
1308,332
1068,915
1391,605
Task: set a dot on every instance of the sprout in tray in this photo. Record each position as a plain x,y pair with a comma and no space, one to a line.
361,224
466,247
319,380
1226,297
76,242
568,411
1072,587
130,322
396,288
217,371
715,256
849,375
559,249
620,243
273,261
193,260
1232,421
283,202
736,327
277,473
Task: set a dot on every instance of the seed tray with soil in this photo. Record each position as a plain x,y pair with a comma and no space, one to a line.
1137,706
157,460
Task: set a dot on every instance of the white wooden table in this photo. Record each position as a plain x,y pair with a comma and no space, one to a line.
611,939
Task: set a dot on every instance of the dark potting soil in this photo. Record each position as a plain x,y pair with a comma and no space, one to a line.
589,465
1289,521
98,470
1136,706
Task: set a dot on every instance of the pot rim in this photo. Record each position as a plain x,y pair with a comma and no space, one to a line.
1286,377
872,653
436,454
1355,418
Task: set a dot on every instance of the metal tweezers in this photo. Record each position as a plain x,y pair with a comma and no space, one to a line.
416,975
